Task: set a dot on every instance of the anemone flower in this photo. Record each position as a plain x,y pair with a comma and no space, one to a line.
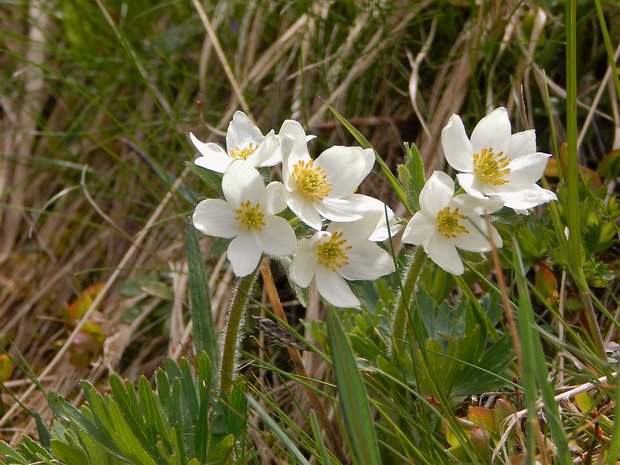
248,217
495,163
323,187
340,253
243,141
446,222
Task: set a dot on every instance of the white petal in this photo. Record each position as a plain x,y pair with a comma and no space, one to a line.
299,149
304,263
419,229
334,288
456,146
522,143
474,206
286,146
476,239
275,198
356,231
268,152
531,197
492,131
444,254
215,217
244,253
346,168
242,132
471,184
304,209
277,237
339,209
527,169
436,193
382,231
213,158
367,204
241,183
367,261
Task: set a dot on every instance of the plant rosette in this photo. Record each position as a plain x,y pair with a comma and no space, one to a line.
446,222
248,217
495,163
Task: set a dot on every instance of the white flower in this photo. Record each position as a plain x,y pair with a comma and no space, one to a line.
495,163
247,216
377,208
342,252
324,186
243,140
445,222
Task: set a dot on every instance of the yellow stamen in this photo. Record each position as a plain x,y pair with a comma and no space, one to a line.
250,217
490,168
243,152
311,180
332,253
448,223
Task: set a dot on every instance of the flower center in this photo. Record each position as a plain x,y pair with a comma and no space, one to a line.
448,223
311,180
332,253
250,217
491,168
243,152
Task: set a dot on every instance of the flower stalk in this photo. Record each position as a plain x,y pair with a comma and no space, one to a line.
572,178
232,337
407,293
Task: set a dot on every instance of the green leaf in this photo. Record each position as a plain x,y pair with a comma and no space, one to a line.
69,454
11,454
44,432
212,180
221,451
155,425
201,443
535,368
71,415
412,176
353,396
204,329
157,289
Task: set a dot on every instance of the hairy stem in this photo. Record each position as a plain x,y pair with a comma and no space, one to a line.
407,293
231,340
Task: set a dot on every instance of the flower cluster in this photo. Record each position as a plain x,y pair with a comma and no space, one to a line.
496,169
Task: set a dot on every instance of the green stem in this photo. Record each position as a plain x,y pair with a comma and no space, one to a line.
231,340
572,177
572,173
610,51
406,294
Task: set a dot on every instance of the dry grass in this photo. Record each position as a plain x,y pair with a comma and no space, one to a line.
94,119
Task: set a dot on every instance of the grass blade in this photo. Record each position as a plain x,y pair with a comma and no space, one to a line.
353,396
288,442
204,329
398,189
535,368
